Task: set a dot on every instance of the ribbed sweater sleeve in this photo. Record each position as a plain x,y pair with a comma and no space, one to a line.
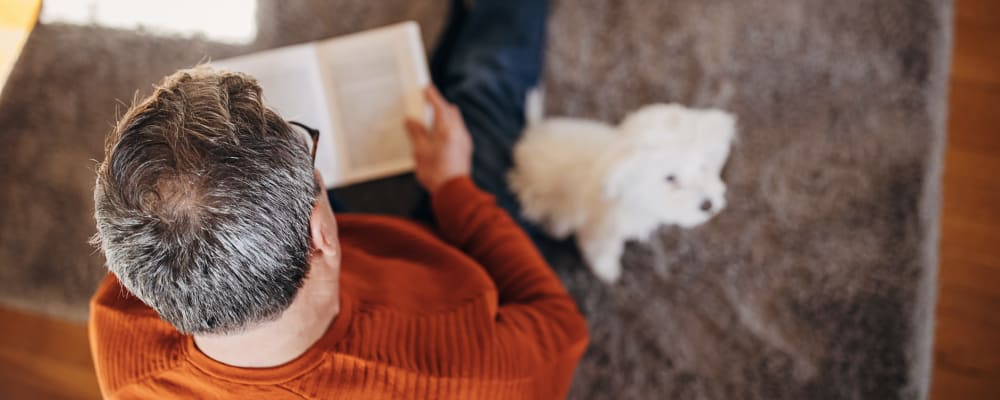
531,297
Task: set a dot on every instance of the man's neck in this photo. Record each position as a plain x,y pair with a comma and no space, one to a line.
282,340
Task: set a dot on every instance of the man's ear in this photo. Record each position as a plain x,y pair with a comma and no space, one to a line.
322,224
318,230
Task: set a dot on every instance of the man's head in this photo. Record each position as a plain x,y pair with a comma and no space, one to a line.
203,203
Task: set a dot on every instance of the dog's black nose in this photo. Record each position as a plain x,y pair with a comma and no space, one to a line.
706,205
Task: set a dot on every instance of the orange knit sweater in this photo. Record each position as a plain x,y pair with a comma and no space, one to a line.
472,312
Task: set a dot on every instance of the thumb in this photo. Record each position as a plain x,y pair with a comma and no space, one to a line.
415,130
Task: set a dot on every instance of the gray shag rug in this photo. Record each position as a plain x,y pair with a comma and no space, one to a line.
817,281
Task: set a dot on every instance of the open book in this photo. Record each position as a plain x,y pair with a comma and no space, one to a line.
355,89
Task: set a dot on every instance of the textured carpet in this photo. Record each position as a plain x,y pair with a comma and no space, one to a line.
817,281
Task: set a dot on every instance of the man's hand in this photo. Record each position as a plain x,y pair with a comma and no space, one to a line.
445,151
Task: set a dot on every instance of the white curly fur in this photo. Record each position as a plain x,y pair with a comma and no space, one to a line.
609,184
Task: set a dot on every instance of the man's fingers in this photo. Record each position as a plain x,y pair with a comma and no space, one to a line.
454,114
434,95
437,101
445,114
415,129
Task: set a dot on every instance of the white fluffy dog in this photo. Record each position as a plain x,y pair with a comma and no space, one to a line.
609,184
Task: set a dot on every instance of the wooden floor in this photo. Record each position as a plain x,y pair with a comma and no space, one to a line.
967,347
44,358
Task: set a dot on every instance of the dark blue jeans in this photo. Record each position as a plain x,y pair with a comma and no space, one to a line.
488,59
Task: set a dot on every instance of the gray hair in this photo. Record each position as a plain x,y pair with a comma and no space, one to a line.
203,203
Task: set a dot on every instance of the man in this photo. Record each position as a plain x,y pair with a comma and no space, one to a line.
231,276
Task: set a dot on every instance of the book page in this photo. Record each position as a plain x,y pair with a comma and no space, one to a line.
356,90
370,97
373,80
291,84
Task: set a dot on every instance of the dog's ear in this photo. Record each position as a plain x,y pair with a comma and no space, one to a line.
718,129
622,170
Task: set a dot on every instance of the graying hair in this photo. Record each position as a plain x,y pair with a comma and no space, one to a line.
203,203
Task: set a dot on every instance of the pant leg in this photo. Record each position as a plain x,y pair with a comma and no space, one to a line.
442,52
494,60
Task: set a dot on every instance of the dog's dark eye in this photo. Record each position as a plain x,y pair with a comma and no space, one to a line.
671,179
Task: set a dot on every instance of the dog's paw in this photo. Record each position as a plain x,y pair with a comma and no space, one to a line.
607,270
602,251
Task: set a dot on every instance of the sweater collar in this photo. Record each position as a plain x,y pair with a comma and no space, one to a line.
310,359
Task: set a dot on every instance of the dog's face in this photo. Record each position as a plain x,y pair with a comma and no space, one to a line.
671,167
